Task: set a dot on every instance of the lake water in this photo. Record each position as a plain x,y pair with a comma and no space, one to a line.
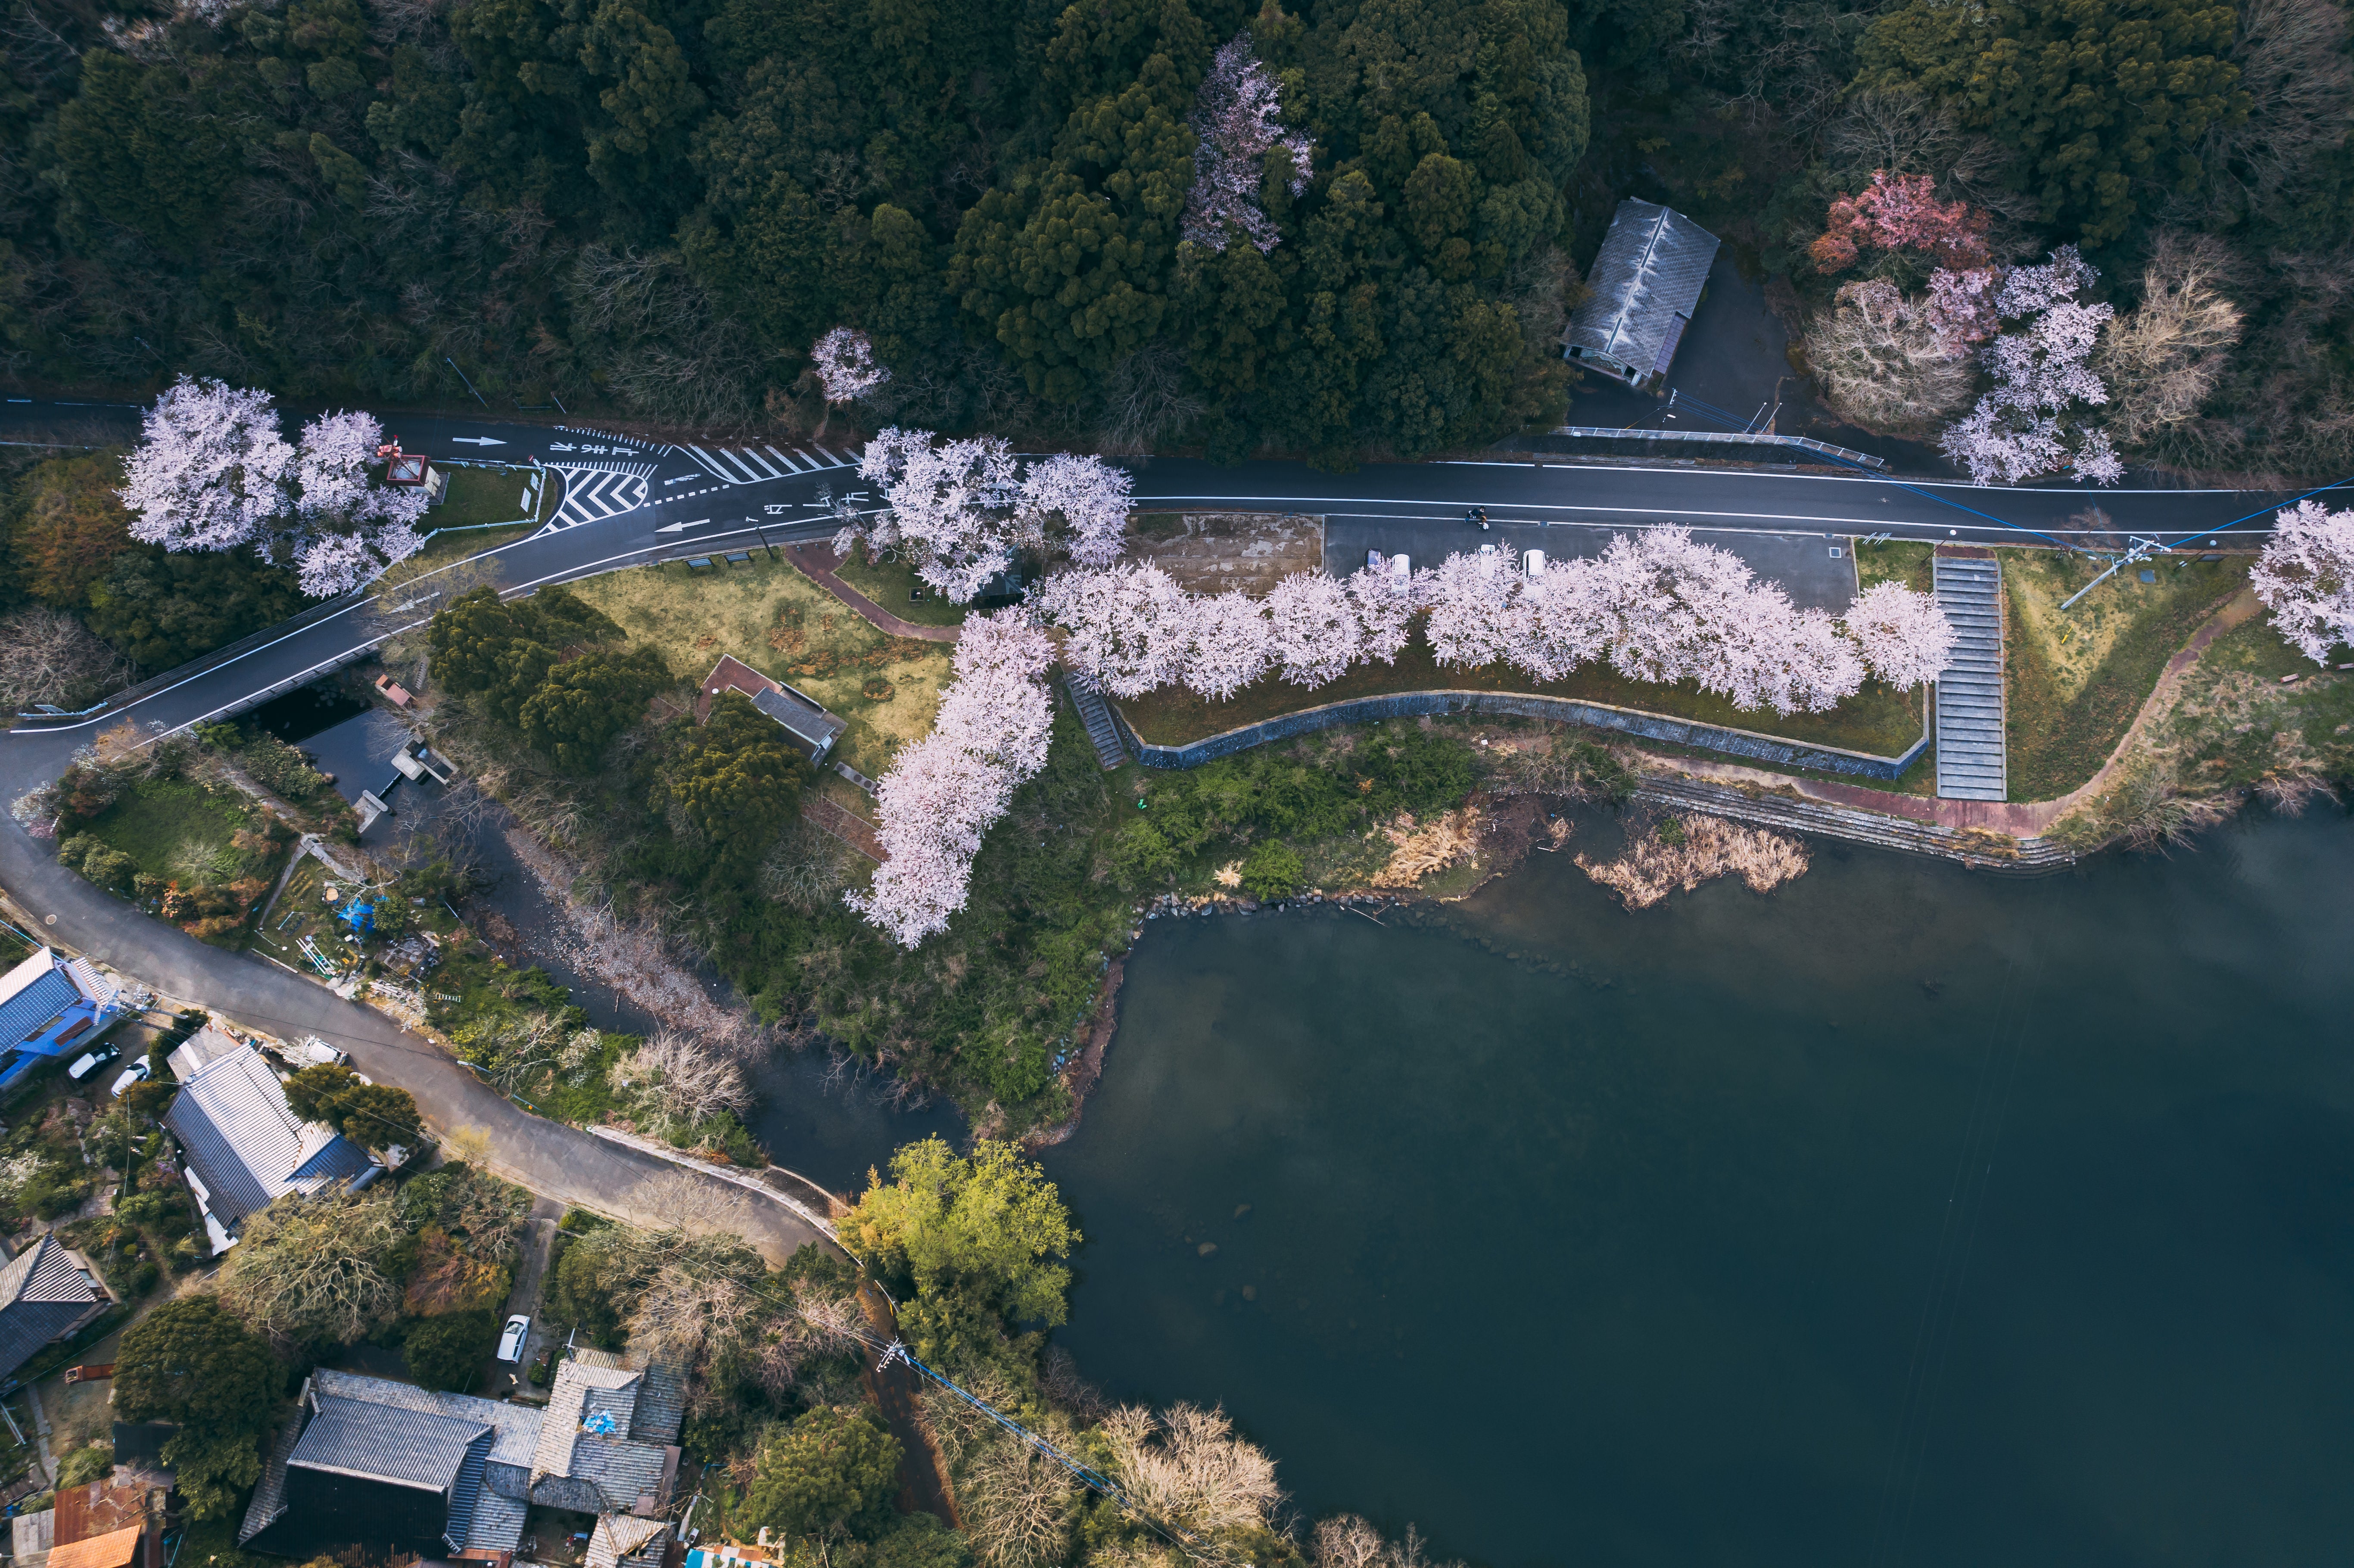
1907,1216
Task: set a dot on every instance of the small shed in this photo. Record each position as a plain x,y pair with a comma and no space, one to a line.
1645,281
813,729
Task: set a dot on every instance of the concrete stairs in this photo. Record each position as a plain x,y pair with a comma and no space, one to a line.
1974,847
1971,757
1093,713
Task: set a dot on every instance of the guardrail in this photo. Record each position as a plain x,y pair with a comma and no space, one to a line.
1725,438
1564,710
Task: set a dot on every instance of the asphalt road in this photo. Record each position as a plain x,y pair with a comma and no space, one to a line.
639,501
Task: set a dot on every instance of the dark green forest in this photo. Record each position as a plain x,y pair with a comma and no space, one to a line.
649,208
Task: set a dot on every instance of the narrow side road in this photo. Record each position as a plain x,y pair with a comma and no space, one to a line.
556,1161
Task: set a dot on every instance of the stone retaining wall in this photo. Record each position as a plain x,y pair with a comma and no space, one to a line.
1561,710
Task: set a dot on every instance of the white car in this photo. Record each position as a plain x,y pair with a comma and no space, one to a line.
512,1337
91,1061
137,1073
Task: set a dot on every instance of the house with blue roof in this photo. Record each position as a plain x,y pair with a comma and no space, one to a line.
51,1006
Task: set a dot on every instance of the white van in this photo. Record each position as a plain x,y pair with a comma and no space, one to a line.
1533,563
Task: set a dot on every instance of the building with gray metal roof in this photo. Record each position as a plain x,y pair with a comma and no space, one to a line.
46,1294
244,1146
1644,285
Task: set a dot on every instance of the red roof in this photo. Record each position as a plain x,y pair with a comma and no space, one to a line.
404,468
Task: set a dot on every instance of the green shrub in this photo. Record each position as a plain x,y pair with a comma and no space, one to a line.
1272,871
279,767
448,1351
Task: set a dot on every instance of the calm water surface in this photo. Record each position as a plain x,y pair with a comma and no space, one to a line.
1905,1216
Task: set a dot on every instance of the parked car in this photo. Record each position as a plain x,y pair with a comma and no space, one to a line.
315,1052
134,1074
512,1337
91,1061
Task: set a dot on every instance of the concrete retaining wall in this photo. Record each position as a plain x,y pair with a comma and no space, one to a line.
1561,710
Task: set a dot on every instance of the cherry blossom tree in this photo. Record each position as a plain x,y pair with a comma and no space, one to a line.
843,362
1237,120
941,795
1088,495
2306,578
1904,636
1315,633
1561,621
349,528
950,505
2043,372
1766,653
1231,639
211,469
1130,627
1469,600
1385,606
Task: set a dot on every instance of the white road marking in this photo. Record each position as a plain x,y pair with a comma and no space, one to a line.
790,466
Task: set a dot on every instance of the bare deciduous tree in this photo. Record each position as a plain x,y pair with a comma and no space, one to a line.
1189,1468
683,1079
310,1269
1347,1541
2162,358
1018,1506
47,656
1883,364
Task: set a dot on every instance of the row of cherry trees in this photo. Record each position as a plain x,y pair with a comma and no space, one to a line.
941,794
959,510
212,472
1658,607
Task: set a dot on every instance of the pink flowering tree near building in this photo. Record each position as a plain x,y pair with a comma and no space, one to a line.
2029,424
211,473
950,505
2306,578
1237,122
843,362
941,795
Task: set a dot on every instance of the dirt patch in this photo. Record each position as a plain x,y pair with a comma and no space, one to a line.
1681,852
1210,551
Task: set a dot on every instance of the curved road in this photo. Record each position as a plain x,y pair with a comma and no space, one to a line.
629,500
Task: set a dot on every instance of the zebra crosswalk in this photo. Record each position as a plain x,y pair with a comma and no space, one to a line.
758,464
593,494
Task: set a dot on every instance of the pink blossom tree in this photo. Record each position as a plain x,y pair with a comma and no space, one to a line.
1904,636
1237,121
1901,212
1315,634
1086,496
1230,645
2306,578
940,796
1766,653
211,469
1562,620
349,527
844,362
2024,426
1130,628
1469,599
950,505
1385,607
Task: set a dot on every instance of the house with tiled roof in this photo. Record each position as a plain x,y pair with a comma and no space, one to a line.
46,1294
243,1146
1641,292
389,1467
808,727
51,1006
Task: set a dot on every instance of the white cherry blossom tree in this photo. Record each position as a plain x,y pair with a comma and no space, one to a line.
940,796
1904,636
843,362
1562,619
1237,119
1087,496
349,527
951,505
1470,600
2306,578
1385,607
2028,424
211,469
1231,639
1315,633
1130,627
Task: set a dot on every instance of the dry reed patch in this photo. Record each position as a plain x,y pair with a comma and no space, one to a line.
1697,848
1418,850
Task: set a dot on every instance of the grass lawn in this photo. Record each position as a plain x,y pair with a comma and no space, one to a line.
782,624
1878,720
478,495
2075,680
176,830
1905,561
888,584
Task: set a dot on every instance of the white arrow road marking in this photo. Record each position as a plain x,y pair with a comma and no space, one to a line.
475,441
676,527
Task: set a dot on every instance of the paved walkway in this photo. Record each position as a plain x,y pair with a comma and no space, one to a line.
844,824
818,560
549,1158
2020,818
